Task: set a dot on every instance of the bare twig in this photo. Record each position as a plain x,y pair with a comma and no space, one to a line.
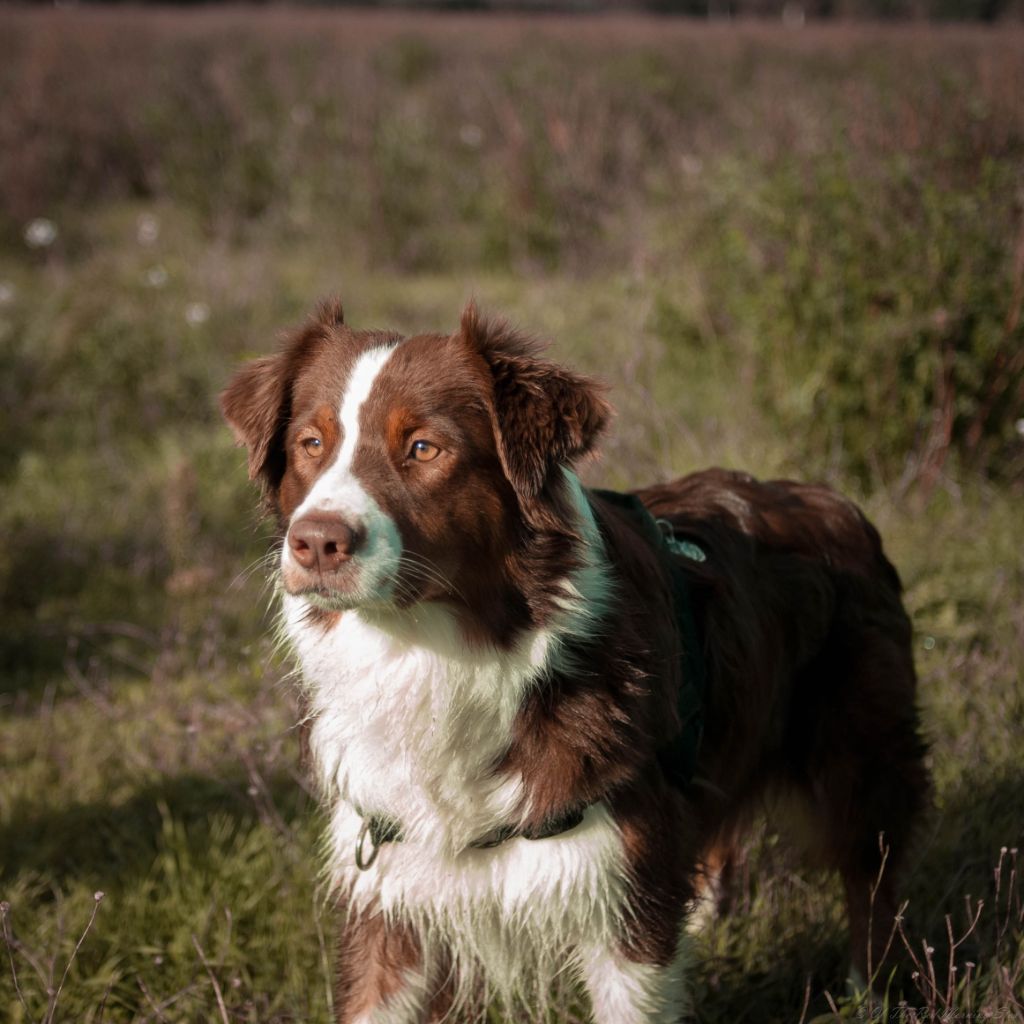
216,985
807,1002
97,899
918,966
929,957
158,1008
873,967
149,999
19,947
5,909
832,1005
951,966
103,1005
258,787
324,958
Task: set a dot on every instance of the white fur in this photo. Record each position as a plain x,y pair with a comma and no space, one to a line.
338,490
624,992
409,722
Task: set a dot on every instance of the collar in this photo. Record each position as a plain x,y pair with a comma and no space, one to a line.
379,829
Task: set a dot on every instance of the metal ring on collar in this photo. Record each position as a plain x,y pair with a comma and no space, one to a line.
364,862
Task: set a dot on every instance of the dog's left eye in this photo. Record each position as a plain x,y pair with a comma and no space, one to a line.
313,446
424,451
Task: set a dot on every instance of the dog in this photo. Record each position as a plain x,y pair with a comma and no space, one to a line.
541,715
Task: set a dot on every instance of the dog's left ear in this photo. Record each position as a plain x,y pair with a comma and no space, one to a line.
545,416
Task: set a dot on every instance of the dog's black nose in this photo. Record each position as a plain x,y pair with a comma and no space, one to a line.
322,542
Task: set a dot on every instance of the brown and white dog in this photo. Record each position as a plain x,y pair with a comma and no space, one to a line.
493,658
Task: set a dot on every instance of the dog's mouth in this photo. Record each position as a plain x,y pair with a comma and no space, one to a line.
326,598
329,596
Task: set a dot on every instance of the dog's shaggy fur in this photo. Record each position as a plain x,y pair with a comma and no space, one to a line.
492,657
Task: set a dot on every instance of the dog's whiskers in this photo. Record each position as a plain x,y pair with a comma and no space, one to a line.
266,563
428,571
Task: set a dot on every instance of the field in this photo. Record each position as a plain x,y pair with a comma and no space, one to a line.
796,252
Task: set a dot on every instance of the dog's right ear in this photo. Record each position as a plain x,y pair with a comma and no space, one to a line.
257,402
256,405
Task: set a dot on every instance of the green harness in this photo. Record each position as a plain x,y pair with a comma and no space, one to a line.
678,758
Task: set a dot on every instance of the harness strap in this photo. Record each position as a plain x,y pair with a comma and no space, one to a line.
678,758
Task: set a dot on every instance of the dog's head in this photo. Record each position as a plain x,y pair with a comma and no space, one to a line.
409,469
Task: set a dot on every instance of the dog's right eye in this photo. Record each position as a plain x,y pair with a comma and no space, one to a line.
424,451
312,446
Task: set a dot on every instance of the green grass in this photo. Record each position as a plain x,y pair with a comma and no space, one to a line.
773,248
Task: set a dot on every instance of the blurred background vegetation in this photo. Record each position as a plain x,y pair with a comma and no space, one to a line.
793,11
796,250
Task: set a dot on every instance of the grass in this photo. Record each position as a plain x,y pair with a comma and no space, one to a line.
795,253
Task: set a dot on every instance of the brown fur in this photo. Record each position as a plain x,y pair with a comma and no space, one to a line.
811,684
375,957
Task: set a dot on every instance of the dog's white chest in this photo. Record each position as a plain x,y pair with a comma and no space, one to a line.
410,731
415,733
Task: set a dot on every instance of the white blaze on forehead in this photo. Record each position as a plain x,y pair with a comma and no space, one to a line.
364,374
339,490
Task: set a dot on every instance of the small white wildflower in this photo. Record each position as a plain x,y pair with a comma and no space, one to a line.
471,135
147,229
253,791
1019,426
929,950
158,959
1002,850
928,643
98,895
691,165
197,313
156,277
40,233
6,293
302,115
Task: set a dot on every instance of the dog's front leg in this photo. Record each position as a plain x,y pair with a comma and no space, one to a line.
627,986
382,976
639,975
